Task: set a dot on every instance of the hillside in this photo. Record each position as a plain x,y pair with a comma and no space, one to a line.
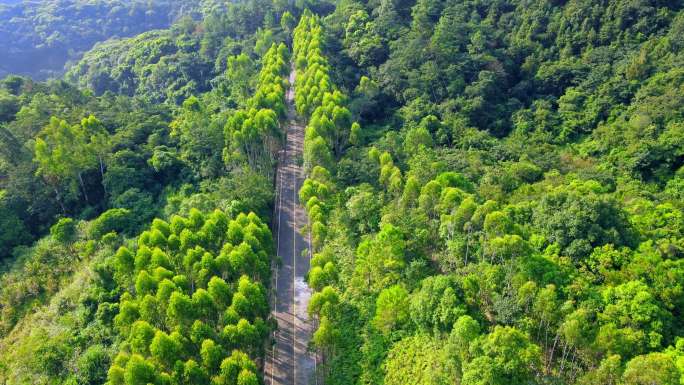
508,209
83,176
482,192
38,38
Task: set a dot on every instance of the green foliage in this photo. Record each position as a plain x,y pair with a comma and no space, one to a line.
93,365
506,356
201,137
198,323
519,185
380,260
14,231
419,360
64,231
157,65
629,332
65,152
465,331
239,71
44,36
580,220
85,284
252,134
391,309
118,220
493,192
316,97
436,304
651,368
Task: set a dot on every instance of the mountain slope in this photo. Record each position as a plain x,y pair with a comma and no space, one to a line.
40,37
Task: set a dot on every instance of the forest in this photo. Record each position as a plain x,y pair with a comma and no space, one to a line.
39,38
494,190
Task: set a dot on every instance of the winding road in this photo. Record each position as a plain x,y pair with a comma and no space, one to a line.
289,362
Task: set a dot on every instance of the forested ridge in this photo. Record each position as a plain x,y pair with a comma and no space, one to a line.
38,38
494,192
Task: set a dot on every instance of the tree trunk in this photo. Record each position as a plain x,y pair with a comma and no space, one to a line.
85,193
59,200
104,187
553,349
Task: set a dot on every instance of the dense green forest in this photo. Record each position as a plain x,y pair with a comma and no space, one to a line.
498,197
495,190
90,292
37,38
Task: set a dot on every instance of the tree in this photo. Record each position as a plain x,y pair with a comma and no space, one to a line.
247,377
428,199
355,134
321,276
363,207
240,71
363,45
203,305
11,149
250,299
465,331
201,137
608,372
632,321
141,336
653,368
128,313
264,40
92,365
145,284
139,371
211,354
380,259
419,360
14,230
253,133
62,153
64,231
391,309
233,367
417,139
324,301
118,220
243,334
579,219
99,142
507,247
181,325
9,106
505,356
436,305
180,310
193,373
165,349
317,153
220,292
287,22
